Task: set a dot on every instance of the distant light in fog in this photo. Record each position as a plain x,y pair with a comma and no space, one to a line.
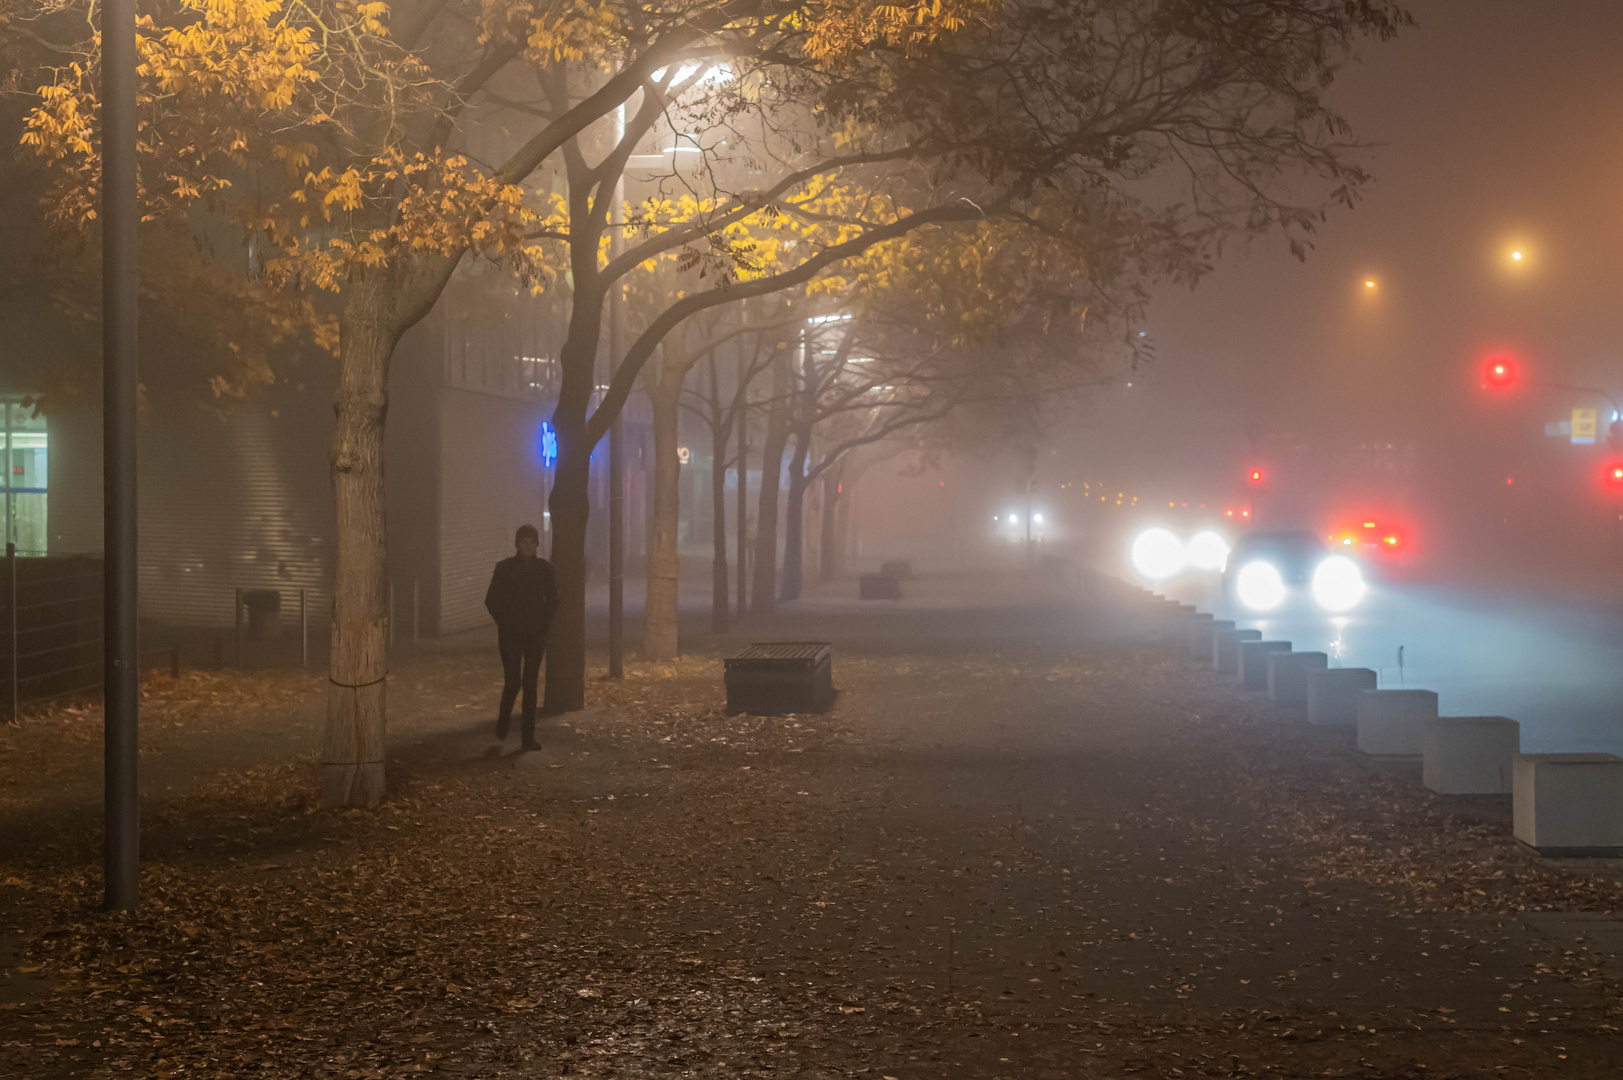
1510,479
1014,519
1369,284
1208,551
1516,255
1036,519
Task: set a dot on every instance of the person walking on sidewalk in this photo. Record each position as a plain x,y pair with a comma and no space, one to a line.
522,598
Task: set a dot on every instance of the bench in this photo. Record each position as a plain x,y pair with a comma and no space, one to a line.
878,587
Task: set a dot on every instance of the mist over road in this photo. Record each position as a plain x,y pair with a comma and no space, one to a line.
1554,665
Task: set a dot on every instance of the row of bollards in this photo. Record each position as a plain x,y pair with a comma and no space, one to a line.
1562,804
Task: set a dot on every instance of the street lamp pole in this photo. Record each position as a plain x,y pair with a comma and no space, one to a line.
120,376
1582,390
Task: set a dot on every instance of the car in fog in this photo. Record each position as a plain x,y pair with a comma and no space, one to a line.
1267,571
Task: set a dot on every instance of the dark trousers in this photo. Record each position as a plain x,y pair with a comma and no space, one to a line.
521,667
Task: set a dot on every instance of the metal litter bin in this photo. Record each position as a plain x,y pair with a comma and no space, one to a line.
773,678
264,607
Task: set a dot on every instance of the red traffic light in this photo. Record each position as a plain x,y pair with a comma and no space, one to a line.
1499,373
1614,476
1254,476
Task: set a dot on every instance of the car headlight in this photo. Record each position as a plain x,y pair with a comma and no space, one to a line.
1338,584
1208,551
1157,554
1259,586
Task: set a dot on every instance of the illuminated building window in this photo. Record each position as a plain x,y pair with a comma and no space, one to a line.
24,448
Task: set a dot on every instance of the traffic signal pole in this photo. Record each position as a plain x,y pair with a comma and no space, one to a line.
120,217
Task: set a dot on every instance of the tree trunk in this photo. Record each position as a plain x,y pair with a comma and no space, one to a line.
828,532
764,589
741,420
794,519
659,627
352,754
720,437
570,504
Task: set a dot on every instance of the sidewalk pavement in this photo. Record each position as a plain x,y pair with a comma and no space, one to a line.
1019,846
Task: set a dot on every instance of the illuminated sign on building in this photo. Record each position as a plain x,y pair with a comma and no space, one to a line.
549,445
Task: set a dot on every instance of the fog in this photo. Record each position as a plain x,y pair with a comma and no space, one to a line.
1353,380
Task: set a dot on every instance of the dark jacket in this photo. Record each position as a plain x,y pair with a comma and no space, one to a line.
523,596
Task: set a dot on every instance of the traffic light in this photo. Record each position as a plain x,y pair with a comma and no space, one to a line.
1614,476
1255,476
1499,373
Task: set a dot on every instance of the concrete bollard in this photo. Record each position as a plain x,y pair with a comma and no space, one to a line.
1200,635
1470,755
1253,667
1287,676
1332,695
1226,648
1392,723
1569,804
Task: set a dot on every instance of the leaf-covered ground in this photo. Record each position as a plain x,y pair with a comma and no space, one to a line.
1024,854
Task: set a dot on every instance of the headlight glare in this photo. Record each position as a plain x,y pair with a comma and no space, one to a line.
1259,586
1157,554
1208,551
1338,585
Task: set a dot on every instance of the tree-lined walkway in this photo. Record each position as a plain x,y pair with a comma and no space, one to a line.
1015,848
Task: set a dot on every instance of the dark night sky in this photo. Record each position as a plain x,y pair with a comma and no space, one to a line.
1494,124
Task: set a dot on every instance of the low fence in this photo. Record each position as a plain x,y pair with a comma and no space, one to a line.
51,617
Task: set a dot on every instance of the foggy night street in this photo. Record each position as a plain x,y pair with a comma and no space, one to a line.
1034,849
822,539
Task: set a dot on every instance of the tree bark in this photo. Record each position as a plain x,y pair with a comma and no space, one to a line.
794,519
659,626
764,588
842,525
570,504
352,753
741,420
828,531
720,437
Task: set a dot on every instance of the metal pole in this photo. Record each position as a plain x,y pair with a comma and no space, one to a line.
1028,519
416,608
11,512
11,637
617,458
546,516
120,379
304,627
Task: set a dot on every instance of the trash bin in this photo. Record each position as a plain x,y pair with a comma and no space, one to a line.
264,612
